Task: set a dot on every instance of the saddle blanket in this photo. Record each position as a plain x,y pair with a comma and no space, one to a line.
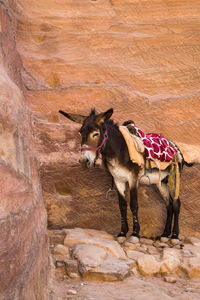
157,146
158,150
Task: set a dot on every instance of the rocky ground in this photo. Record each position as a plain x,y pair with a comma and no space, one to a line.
90,264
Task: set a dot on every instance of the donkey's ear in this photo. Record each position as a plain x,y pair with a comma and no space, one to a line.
75,118
104,116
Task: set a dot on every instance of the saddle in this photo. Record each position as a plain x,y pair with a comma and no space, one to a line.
151,151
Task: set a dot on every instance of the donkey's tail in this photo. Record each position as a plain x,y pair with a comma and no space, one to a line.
187,164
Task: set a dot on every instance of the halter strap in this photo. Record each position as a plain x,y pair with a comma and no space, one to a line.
98,149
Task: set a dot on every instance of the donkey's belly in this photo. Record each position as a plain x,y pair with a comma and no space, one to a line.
151,177
121,176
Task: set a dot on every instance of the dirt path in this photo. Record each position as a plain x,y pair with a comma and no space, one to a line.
130,289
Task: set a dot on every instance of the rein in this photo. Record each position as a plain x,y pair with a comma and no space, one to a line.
98,149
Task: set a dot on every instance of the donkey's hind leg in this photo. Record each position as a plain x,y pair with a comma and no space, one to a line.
167,231
176,211
164,191
134,208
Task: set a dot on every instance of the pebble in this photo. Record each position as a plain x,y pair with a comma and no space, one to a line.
159,244
170,279
131,246
178,246
59,263
146,241
192,290
71,292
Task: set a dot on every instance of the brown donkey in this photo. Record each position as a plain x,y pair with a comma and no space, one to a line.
101,137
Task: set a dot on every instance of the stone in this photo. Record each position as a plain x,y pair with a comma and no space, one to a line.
62,251
71,267
133,254
71,292
178,246
159,244
89,255
194,267
170,279
133,240
171,252
131,246
96,238
169,265
146,241
148,265
192,290
83,283
59,263
111,269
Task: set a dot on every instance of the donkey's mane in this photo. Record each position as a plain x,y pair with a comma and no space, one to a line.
109,122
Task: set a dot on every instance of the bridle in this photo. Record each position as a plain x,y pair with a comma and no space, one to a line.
99,148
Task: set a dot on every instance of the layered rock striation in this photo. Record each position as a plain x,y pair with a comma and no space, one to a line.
141,58
23,239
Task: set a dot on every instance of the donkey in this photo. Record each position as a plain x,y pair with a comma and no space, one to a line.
101,137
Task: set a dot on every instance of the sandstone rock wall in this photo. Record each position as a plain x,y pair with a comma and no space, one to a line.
140,57
23,240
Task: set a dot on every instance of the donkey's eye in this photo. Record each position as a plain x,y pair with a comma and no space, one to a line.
95,134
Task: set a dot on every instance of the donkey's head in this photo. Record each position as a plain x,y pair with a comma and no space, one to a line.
93,134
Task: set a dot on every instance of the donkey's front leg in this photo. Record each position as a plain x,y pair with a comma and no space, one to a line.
124,224
134,208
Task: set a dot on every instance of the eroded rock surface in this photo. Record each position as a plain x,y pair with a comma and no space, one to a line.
139,57
23,240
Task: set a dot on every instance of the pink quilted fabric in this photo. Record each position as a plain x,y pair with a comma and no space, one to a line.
157,146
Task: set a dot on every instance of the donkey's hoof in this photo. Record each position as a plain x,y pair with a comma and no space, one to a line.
133,239
121,239
164,239
175,242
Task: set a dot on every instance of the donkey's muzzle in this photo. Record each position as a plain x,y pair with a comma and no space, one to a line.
84,162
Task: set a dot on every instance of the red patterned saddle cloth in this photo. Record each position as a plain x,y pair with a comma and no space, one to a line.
157,147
